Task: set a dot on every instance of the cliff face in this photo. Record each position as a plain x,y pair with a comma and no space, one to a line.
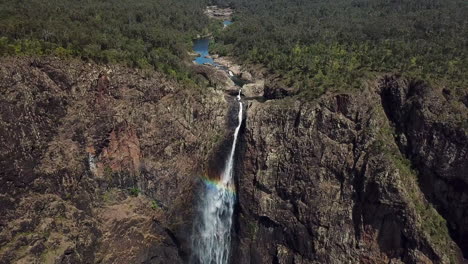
326,182
100,165
431,129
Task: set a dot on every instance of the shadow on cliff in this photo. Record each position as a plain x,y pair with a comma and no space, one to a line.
429,133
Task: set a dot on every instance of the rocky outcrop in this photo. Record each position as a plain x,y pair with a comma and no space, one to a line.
245,75
99,164
217,78
325,182
255,89
219,12
228,62
274,88
431,130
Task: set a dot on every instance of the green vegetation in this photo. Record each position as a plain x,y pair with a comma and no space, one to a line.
252,229
134,191
331,45
154,205
108,173
108,196
314,45
430,221
145,33
217,138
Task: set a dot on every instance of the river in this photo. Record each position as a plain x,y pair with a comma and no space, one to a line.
211,237
201,47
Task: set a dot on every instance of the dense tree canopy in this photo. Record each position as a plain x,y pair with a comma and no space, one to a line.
320,44
316,45
143,33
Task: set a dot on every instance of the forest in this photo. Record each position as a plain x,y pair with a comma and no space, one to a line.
316,45
145,33
333,45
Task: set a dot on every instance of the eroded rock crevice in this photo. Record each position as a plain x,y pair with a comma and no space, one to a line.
118,150
331,172
101,164
430,133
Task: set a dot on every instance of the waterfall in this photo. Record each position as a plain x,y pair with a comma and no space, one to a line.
211,238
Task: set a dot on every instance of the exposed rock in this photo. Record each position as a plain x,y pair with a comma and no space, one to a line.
218,12
228,63
217,78
103,84
254,89
133,232
325,182
436,139
246,76
99,164
275,89
71,134
122,152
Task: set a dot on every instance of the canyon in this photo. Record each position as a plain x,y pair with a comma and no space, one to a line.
271,132
104,164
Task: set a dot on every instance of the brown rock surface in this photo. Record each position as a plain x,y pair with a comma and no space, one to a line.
431,130
99,164
255,89
70,136
217,78
325,181
219,12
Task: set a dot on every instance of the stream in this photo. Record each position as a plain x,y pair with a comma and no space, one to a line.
211,237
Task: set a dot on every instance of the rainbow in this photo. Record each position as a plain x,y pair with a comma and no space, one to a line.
217,185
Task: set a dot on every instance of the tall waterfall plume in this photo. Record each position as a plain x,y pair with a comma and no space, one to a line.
211,238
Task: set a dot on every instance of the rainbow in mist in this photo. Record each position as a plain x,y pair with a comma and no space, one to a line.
215,185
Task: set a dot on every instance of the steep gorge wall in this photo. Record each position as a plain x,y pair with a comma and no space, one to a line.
79,142
431,129
325,181
348,178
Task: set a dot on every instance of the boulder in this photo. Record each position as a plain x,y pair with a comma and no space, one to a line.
275,89
246,76
218,79
254,89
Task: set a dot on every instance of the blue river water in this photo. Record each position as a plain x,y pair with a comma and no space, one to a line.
200,46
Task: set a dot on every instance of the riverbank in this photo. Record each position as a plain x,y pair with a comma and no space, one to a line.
223,71
219,12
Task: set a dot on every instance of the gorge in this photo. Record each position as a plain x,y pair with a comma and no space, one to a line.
225,160
211,238
212,228
324,181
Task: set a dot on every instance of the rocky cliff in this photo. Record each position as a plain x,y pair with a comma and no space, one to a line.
377,176
100,164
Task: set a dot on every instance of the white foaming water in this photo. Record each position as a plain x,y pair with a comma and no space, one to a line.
211,238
